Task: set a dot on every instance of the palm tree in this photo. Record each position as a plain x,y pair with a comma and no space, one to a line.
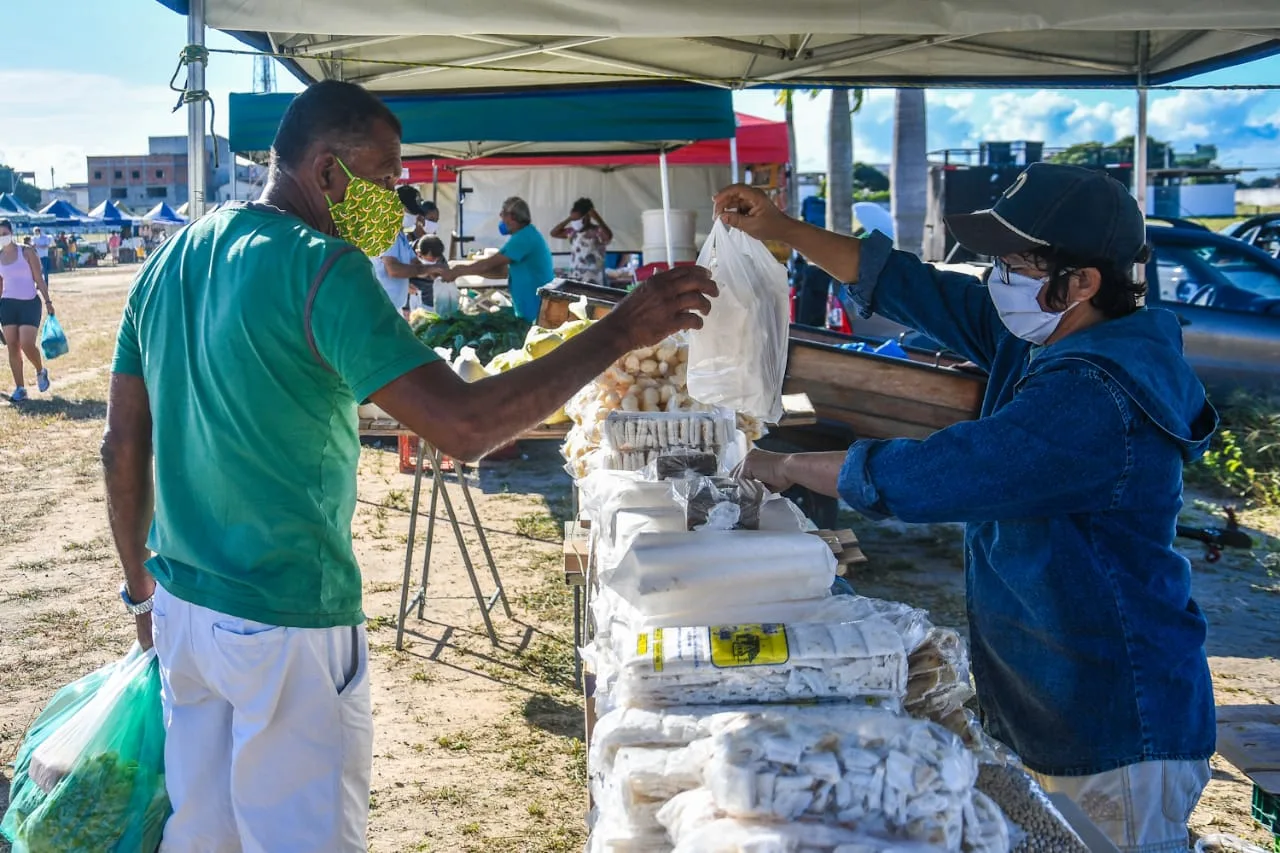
840,159
909,178
786,100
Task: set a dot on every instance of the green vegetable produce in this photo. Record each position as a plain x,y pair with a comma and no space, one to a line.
487,334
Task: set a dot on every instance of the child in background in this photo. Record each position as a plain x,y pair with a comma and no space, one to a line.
430,250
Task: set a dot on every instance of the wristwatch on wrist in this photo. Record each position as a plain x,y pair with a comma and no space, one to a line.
135,608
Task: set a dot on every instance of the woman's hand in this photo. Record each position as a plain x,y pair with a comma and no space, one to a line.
751,210
770,469
48,307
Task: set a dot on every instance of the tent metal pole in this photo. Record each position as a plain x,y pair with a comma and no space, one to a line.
1140,139
733,157
435,182
1140,153
666,205
195,114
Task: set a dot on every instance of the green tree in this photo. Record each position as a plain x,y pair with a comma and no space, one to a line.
27,193
786,99
867,178
1120,151
844,104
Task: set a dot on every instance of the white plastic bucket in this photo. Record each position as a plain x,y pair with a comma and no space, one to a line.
683,228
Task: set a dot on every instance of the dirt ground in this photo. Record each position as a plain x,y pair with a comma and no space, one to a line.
477,748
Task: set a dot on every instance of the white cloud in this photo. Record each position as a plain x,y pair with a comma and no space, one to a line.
54,119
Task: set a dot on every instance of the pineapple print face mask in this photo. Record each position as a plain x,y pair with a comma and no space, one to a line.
369,217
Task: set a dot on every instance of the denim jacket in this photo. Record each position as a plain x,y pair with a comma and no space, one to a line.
1088,650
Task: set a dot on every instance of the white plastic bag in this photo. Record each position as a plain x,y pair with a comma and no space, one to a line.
739,357
58,754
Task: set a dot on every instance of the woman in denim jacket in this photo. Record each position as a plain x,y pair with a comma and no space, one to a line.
1088,650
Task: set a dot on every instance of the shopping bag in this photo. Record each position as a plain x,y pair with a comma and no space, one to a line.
90,775
53,341
739,357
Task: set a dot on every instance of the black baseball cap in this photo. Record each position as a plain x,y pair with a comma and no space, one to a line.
1082,212
411,199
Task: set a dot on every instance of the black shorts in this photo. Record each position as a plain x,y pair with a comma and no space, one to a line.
20,312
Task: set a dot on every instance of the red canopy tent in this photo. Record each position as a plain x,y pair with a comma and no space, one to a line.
760,141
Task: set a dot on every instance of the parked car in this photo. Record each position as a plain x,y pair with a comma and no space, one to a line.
1262,232
1225,292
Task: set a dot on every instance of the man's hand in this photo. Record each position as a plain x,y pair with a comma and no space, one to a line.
770,469
144,630
752,211
665,304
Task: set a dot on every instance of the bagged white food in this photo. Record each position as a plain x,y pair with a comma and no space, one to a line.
890,775
738,358
756,664
679,571
698,829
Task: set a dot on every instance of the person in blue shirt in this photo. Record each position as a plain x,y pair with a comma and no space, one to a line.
525,260
1087,647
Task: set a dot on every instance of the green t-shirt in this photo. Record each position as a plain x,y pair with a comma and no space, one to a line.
254,419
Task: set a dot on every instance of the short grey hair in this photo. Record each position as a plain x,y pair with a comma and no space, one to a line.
518,209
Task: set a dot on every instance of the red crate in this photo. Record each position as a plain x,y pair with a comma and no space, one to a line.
409,455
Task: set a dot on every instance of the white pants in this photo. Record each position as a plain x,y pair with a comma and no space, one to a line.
269,733
1142,808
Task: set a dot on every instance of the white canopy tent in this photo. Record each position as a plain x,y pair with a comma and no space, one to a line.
425,45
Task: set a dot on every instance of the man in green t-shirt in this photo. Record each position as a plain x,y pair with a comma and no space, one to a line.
245,345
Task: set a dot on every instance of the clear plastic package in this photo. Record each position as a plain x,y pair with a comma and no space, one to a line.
860,662
738,358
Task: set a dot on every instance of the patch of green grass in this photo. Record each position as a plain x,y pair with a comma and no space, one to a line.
471,828
448,795
374,587
377,623
457,742
397,499
540,526
551,661
423,677
1243,459
536,809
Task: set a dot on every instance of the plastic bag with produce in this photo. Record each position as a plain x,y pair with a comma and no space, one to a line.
90,775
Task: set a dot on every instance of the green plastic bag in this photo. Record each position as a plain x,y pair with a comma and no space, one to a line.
89,778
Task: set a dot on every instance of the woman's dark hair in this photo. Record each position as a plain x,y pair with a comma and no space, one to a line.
331,111
582,206
4,223
1118,294
433,246
429,207
410,199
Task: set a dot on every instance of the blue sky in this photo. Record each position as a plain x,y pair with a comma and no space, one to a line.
79,77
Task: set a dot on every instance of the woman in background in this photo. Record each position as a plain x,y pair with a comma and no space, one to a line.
588,236
21,278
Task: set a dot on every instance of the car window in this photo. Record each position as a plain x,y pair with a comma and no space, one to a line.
1181,274
1240,270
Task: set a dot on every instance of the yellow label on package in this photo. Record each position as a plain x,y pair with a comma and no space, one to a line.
748,645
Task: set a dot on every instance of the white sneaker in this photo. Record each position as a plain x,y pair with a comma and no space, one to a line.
42,380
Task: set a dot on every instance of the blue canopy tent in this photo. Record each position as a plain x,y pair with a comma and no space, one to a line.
17,212
163,214
110,214
471,125
67,215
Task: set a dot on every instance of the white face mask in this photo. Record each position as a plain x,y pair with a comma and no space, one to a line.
410,222
1014,296
576,225
5,240
429,227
